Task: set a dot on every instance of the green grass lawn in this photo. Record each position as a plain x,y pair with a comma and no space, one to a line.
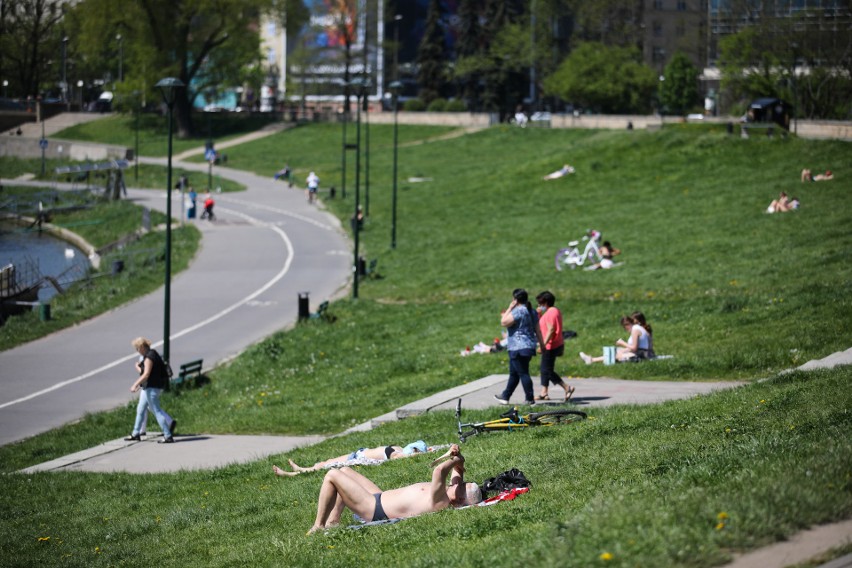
104,223
120,129
146,176
732,293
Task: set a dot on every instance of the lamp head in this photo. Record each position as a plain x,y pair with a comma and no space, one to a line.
169,88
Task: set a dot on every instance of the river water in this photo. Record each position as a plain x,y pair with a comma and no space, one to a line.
53,257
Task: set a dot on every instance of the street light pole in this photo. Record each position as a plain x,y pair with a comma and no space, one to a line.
343,146
138,106
356,228
65,69
120,57
395,86
367,154
169,88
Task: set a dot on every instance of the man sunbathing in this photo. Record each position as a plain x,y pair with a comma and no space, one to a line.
347,488
563,171
381,453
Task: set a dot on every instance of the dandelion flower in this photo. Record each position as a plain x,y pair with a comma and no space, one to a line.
606,556
43,538
722,516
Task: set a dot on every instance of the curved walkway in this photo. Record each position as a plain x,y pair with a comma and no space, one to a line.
266,246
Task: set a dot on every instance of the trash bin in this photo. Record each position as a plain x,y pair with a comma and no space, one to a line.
44,312
362,266
304,306
117,267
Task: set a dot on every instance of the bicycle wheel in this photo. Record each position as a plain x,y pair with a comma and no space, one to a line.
556,417
467,434
561,258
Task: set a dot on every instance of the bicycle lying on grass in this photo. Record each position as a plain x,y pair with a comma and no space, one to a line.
572,256
511,420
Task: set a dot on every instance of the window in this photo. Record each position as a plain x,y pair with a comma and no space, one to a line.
681,6
658,29
658,4
658,55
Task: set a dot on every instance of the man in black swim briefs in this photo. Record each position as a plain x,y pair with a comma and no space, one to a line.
346,487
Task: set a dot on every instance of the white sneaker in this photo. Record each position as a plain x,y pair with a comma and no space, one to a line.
586,358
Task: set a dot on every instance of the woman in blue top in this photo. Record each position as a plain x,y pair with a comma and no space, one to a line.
522,323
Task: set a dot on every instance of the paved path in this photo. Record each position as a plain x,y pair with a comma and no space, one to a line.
265,247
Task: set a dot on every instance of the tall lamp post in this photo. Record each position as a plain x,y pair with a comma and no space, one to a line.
360,85
394,87
138,109
120,57
344,145
169,88
64,69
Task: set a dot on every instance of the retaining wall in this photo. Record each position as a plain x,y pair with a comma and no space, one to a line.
20,147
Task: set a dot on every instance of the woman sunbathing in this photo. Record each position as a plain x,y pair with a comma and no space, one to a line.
378,454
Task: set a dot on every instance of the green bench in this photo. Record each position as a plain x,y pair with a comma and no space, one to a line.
188,371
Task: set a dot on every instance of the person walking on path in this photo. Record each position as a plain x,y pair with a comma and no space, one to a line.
151,383
313,185
522,324
552,346
140,369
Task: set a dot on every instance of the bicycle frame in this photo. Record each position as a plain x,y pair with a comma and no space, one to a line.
510,420
572,257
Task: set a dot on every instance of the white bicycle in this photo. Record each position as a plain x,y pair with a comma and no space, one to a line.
572,256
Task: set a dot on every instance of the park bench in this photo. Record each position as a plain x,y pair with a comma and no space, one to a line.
189,370
770,128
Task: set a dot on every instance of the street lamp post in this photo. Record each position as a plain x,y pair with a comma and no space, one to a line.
344,145
65,69
169,88
394,87
361,85
5,88
80,93
138,108
120,57
367,152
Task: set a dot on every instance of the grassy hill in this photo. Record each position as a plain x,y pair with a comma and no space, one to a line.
732,293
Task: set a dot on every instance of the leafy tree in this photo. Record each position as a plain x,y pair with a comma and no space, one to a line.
603,78
431,57
679,90
31,44
768,58
469,46
610,22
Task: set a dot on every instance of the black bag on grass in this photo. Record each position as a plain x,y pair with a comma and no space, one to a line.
511,479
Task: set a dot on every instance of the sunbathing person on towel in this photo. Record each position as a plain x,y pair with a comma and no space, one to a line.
347,488
381,453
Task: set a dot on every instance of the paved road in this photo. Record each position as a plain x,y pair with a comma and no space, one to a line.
266,246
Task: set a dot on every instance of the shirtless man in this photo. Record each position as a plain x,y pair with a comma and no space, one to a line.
348,488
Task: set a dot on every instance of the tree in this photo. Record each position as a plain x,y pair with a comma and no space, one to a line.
31,43
805,59
606,79
469,46
431,57
679,90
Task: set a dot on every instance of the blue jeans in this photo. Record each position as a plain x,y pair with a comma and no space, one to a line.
519,371
150,398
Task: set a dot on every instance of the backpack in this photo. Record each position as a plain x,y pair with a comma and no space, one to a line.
511,479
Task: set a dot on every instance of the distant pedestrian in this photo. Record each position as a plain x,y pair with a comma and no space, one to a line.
151,382
286,174
552,346
208,207
313,185
140,368
193,203
522,324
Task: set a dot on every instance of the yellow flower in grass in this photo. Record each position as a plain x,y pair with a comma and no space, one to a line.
43,538
606,556
722,516
720,526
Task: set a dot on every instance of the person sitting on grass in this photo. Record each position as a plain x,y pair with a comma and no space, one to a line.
607,252
639,346
783,204
380,454
347,488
